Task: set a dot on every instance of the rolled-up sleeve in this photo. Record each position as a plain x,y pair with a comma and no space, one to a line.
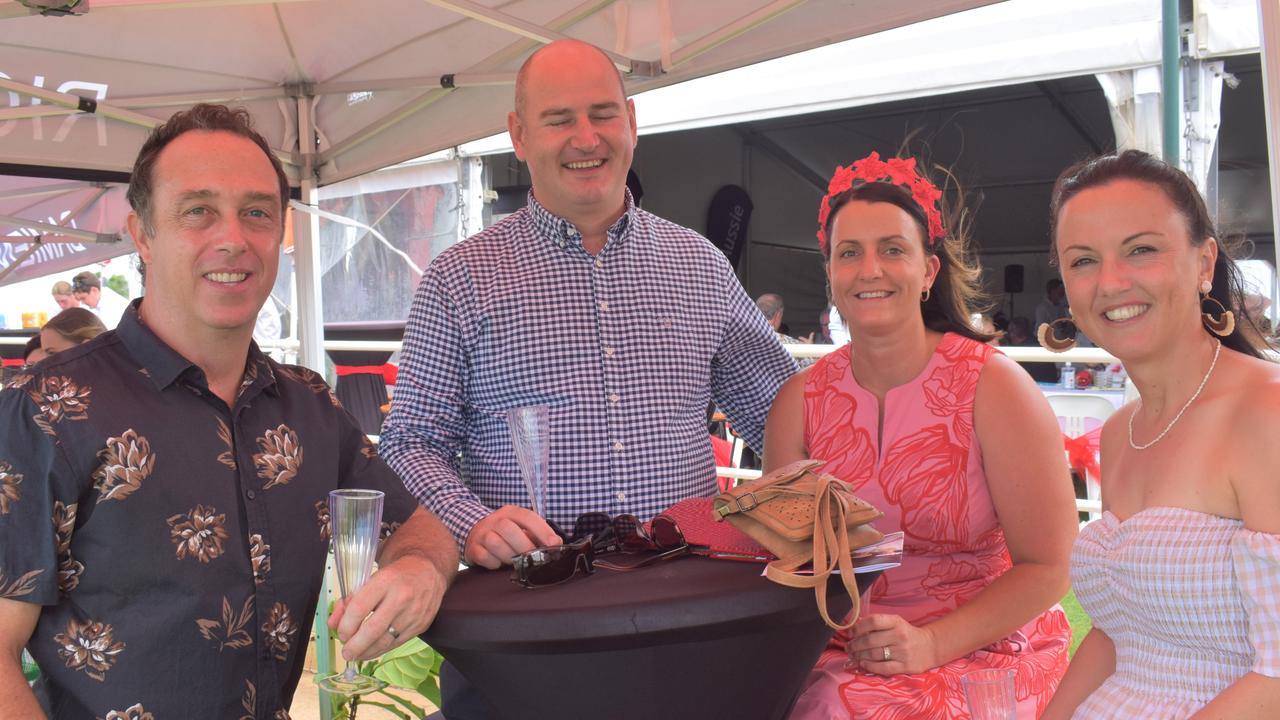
427,425
749,366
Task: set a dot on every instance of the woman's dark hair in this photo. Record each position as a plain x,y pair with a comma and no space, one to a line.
957,293
76,324
33,344
1228,286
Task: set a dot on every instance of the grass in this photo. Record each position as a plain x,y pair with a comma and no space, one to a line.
1080,623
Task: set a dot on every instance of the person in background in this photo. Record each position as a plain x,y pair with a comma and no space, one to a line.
623,324
108,305
63,296
1054,305
70,328
821,336
164,486
32,353
772,308
951,440
1181,574
1019,335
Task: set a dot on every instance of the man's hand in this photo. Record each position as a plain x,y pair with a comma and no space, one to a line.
505,532
416,564
403,596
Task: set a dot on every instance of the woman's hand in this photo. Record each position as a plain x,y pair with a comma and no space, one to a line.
889,645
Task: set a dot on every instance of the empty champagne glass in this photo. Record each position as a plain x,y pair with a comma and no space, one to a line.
531,435
990,693
355,519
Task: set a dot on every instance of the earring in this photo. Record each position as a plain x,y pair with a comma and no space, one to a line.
1049,339
1224,323
924,297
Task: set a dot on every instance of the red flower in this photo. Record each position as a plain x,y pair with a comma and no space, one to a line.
954,580
949,392
898,171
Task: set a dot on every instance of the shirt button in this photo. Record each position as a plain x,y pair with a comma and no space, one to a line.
617,446
613,397
599,262
608,351
250,494
604,306
621,496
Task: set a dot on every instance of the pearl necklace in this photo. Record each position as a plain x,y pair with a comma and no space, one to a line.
1177,417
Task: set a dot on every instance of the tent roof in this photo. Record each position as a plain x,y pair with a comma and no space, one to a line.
366,76
374,67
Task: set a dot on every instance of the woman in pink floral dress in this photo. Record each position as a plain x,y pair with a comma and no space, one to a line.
953,441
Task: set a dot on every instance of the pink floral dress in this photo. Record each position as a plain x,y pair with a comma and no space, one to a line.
929,481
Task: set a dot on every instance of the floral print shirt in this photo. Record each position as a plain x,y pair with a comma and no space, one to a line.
175,544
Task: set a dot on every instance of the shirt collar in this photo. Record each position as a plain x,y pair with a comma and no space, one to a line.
164,365
561,232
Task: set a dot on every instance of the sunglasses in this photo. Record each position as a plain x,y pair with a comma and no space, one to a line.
619,543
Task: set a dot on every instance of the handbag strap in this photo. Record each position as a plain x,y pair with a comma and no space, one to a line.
788,480
830,551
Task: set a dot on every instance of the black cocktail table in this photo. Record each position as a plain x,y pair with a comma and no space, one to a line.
688,638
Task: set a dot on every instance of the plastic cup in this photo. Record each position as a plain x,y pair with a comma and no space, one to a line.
990,694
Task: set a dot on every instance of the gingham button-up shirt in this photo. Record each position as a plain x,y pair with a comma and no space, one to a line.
626,348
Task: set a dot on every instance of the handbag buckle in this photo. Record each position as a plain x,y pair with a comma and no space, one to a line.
727,509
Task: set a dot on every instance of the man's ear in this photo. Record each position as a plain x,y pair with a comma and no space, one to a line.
631,112
515,129
140,239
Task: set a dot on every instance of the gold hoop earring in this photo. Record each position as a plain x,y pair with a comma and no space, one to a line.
1224,323
1049,339
924,297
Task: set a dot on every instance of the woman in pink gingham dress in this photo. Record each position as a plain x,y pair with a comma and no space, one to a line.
953,442
1181,574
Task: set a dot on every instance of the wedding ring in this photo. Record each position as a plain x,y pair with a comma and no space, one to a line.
395,634
887,655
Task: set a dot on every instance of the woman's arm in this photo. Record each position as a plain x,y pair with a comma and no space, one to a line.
1094,662
1027,477
1258,498
784,428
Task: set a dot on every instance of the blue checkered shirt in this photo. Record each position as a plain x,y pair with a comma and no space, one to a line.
626,348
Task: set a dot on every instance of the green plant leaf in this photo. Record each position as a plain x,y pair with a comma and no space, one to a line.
389,708
414,709
406,666
430,689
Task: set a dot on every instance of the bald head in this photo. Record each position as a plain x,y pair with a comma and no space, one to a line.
556,57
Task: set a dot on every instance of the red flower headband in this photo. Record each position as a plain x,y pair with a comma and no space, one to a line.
896,171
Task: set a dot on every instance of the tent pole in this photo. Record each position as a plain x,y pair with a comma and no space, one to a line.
1170,80
22,257
1269,32
306,252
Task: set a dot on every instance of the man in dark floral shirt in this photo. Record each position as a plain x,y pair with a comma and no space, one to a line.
163,516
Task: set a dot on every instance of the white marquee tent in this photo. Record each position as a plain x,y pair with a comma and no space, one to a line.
340,87
376,82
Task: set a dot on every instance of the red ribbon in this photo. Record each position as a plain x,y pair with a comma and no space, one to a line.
387,371
1082,453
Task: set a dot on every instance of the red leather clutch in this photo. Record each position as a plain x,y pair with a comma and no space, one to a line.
713,539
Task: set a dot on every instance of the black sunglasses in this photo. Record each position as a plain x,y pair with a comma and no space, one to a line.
615,543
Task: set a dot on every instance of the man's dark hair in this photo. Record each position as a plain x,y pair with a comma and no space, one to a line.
84,281
200,117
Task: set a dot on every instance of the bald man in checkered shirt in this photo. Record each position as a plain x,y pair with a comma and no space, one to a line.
623,324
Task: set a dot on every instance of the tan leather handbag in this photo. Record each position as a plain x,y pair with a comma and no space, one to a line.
804,517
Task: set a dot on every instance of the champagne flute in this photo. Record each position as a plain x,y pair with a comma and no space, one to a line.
355,519
531,435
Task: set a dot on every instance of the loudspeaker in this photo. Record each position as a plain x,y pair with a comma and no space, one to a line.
1013,278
